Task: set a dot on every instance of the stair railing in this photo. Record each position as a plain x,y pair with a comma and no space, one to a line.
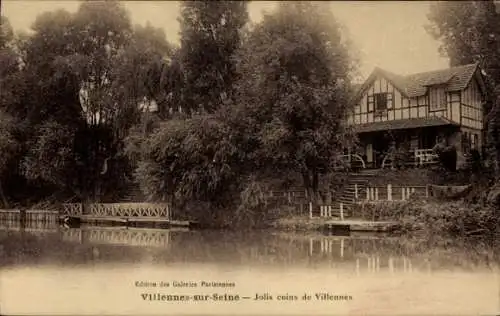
355,156
388,156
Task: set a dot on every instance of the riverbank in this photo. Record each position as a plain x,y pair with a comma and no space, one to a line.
334,225
413,217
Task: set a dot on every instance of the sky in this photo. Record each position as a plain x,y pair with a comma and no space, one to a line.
387,34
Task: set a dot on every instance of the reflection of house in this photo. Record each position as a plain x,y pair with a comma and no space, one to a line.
419,110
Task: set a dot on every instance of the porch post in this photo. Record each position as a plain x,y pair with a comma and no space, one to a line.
356,190
389,192
402,193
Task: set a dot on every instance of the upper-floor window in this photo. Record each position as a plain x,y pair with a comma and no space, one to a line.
437,98
379,101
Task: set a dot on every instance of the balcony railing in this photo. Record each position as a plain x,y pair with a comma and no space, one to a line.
425,157
417,158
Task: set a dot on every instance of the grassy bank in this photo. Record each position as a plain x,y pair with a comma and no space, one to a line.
452,218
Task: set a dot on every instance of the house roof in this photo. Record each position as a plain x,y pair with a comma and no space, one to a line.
414,85
402,124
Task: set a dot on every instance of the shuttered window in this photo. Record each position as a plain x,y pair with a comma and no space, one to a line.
379,102
437,98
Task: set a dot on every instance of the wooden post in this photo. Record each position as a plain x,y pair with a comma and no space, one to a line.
289,197
341,211
356,190
389,192
367,193
310,210
342,248
402,193
310,247
427,191
329,210
376,194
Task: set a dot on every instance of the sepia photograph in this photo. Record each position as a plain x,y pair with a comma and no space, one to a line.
249,157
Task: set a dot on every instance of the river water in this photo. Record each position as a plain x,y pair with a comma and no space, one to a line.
97,271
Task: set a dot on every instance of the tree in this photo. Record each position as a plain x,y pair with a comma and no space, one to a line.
469,31
9,66
88,73
186,159
8,148
210,33
294,75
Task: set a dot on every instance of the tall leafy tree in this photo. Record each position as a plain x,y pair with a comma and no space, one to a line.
294,74
89,74
10,84
8,148
469,31
210,33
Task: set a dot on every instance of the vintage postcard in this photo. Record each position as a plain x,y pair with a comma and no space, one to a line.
249,157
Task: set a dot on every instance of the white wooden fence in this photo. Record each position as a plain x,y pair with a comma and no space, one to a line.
119,210
394,193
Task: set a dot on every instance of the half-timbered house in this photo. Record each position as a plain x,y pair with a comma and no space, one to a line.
417,111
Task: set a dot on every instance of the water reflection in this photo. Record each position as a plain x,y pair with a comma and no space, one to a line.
363,253
385,275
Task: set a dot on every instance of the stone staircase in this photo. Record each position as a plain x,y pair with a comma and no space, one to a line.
133,194
357,181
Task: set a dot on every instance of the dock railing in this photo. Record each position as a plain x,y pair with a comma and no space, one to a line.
156,210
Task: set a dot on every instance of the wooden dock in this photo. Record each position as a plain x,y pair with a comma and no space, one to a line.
132,221
150,215
346,226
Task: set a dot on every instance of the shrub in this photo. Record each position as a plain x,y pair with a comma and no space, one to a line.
454,218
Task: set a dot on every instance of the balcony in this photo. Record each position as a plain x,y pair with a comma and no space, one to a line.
416,158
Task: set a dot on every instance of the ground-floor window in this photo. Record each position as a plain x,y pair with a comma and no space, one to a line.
470,141
465,142
474,141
